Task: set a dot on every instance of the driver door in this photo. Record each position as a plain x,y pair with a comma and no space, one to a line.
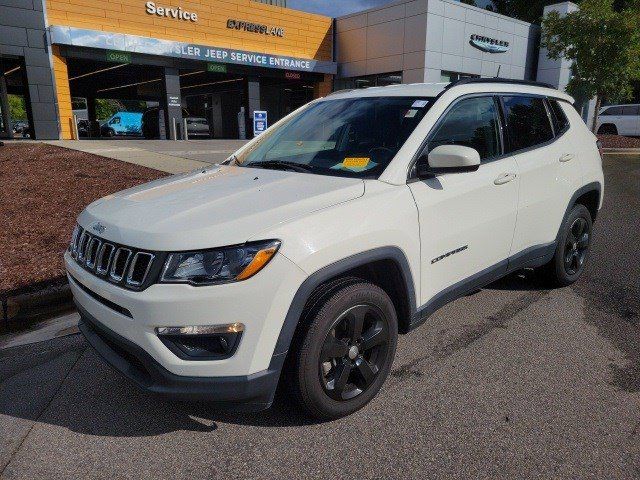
467,219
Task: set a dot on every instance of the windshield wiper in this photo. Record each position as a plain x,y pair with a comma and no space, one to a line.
281,164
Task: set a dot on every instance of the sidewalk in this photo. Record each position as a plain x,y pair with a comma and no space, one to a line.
163,155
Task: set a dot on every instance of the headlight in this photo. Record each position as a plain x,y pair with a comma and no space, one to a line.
220,265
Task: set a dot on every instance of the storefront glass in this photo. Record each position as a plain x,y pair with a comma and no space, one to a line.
380,80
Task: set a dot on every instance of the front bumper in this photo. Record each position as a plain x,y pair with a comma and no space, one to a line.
260,303
247,392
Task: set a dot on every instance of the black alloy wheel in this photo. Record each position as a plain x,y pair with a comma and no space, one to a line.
572,249
343,350
353,352
576,246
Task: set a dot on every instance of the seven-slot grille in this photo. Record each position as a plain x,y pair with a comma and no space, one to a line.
122,265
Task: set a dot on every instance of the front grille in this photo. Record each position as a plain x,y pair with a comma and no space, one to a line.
125,266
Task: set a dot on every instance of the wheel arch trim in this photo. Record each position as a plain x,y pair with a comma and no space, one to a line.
333,270
589,187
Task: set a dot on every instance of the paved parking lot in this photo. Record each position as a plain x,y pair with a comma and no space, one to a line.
514,381
168,156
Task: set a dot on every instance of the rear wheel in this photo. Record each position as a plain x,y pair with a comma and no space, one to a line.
344,355
573,248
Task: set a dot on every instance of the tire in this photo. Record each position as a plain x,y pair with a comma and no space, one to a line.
572,251
110,133
334,370
608,129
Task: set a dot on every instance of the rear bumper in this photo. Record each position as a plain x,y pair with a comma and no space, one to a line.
248,392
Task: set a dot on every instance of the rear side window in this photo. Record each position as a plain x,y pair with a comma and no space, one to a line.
630,110
613,111
472,122
560,120
527,121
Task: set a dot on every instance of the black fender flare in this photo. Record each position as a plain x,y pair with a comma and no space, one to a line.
333,270
589,187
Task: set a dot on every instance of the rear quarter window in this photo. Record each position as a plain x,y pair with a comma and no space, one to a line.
560,120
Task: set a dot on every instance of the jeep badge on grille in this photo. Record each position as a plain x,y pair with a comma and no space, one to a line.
98,227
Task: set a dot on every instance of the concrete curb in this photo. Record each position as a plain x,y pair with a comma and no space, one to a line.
624,151
21,311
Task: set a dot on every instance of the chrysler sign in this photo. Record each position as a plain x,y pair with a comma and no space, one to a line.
488,44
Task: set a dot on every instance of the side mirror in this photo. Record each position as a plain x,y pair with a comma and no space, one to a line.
458,158
448,159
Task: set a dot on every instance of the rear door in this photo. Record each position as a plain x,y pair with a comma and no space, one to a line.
631,117
543,159
467,219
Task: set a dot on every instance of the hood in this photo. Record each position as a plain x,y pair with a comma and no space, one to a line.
214,207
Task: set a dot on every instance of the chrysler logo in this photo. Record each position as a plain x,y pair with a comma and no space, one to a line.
488,44
98,227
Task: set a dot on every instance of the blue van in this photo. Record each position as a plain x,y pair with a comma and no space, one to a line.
122,123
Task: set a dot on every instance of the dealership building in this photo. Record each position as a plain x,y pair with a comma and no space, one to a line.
66,65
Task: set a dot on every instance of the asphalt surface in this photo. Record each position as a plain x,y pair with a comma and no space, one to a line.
513,381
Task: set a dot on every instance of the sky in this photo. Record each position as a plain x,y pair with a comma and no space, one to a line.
334,8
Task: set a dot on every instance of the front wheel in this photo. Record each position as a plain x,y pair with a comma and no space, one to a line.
573,248
346,352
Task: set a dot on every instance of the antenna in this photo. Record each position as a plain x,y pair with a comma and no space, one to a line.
498,72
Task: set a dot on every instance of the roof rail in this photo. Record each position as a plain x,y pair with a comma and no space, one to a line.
466,81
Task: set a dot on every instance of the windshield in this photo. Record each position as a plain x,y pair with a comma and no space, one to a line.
355,137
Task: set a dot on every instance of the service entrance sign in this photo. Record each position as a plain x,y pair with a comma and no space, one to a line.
259,122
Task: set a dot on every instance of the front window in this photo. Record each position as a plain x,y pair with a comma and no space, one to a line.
355,137
472,122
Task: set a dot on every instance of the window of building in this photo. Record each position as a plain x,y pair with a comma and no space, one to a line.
448,77
472,122
380,80
527,122
560,120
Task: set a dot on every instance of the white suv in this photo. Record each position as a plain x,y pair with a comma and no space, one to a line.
619,120
299,259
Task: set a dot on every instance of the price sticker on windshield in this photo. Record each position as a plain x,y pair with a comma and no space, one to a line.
355,162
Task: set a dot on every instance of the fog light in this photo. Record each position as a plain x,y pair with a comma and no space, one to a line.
202,342
201,329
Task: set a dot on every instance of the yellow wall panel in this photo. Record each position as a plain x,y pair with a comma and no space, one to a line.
306,35
64,97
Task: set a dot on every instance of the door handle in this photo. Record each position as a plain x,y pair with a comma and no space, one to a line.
504,178
566,157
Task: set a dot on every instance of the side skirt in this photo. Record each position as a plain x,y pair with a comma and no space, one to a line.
530,258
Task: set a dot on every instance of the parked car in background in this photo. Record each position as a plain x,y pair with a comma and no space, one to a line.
121,124
619,120
84,128
197,127
20,126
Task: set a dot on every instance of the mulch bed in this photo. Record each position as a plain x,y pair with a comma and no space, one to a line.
618,141
42,190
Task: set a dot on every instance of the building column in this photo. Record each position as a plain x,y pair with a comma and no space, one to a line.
65,111
173,105
323,88
4,107
253,101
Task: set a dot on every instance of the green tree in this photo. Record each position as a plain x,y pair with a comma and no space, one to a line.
17,107
603,43
527,10
469,2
